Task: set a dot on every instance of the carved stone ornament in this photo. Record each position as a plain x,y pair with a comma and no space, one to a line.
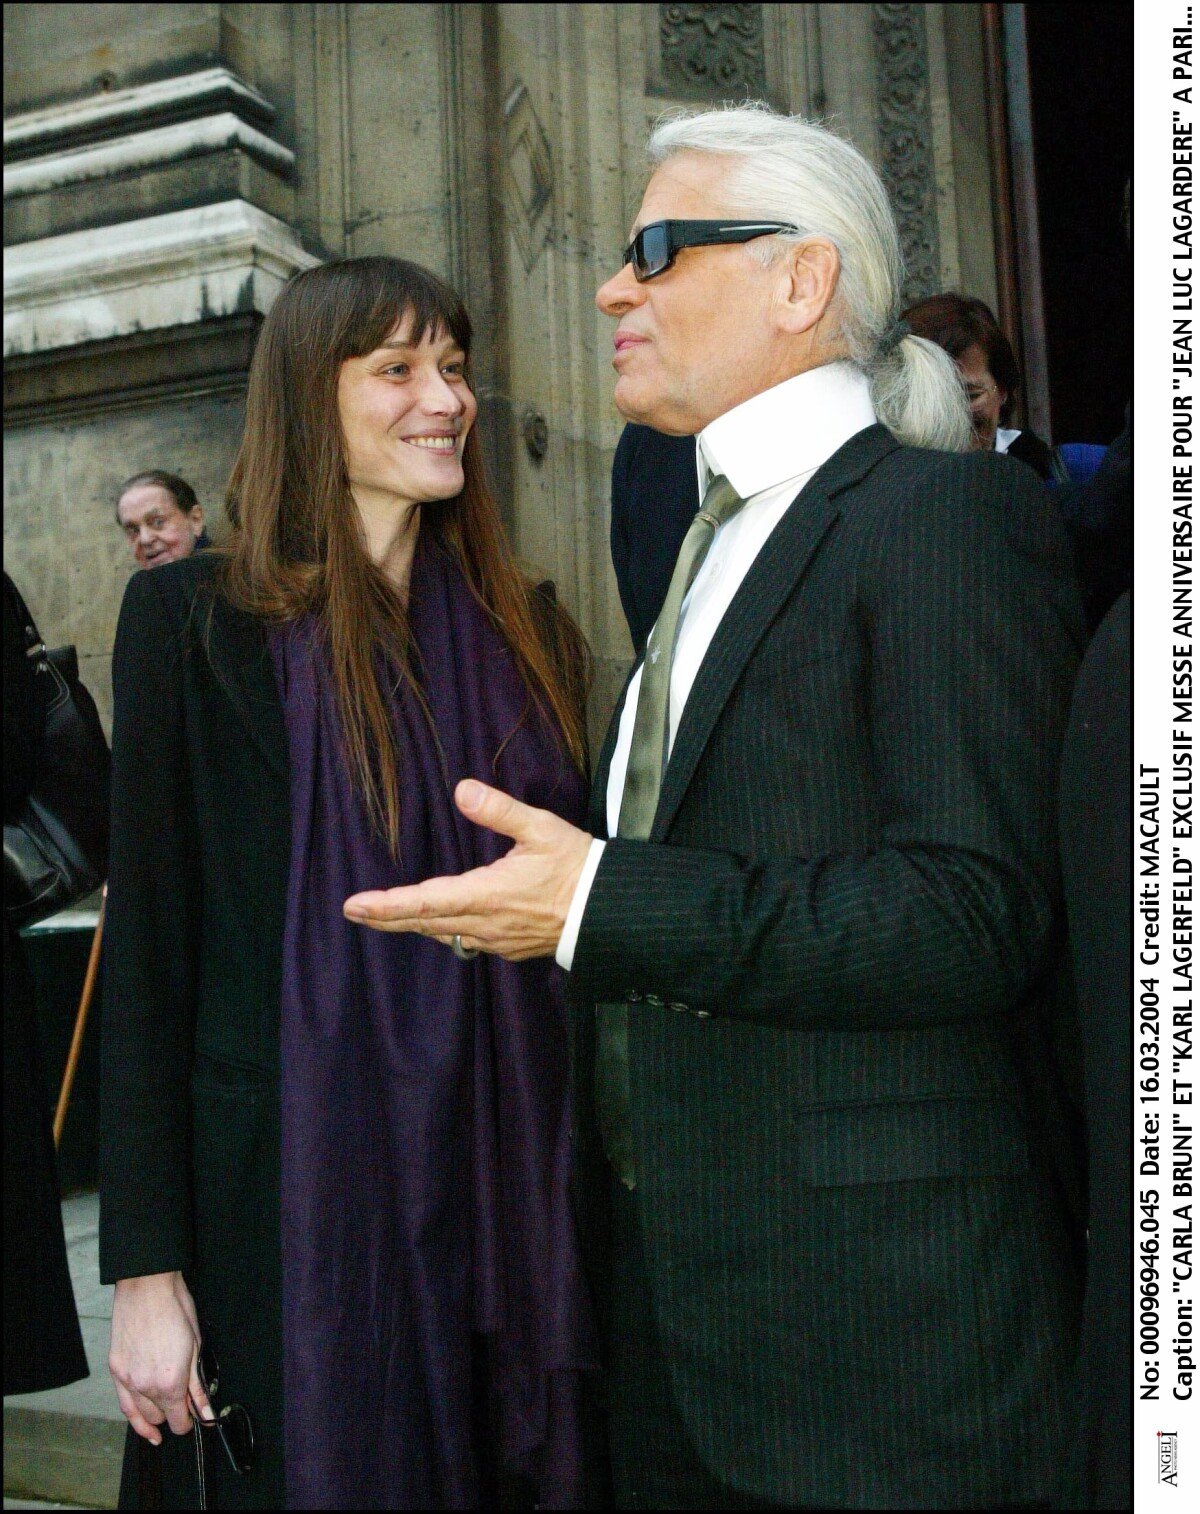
529,176
906,142
711,52
536,434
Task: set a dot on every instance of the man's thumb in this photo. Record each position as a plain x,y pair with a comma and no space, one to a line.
494,808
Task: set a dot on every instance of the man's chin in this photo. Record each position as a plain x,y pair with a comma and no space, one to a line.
649,410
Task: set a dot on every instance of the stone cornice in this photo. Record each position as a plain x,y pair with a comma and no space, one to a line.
164,271
141,150
58,127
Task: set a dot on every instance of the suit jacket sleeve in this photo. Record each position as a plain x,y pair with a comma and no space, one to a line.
152,932
972,626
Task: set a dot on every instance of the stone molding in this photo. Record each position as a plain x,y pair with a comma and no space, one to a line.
710,52
529,179
129,372
905,129
142,150
58,127
160,272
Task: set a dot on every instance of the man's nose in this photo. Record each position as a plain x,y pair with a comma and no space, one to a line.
621,293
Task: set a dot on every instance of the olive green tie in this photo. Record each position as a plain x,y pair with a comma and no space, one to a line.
639,803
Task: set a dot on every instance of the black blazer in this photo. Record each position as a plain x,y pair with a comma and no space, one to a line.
1027,447
654,497
841,949
1097,852
189,1107
1099,517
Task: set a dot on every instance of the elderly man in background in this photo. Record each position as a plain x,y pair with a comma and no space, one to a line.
815,938
161,517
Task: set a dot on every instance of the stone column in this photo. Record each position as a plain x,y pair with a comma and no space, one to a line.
906,84
148,209
579,87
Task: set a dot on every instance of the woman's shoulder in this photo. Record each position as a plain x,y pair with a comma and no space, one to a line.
174,589
180,606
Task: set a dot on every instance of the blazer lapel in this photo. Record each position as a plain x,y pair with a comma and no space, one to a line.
773,576
241,660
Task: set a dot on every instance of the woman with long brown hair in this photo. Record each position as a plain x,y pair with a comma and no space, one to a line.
336,1160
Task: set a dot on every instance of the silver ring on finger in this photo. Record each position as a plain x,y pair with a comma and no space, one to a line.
463,953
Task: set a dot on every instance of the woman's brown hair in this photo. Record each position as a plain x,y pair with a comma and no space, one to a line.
298,546
958,321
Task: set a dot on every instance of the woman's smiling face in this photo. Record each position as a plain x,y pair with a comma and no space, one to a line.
405,411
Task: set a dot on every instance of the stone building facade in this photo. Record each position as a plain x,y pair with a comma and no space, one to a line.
167,167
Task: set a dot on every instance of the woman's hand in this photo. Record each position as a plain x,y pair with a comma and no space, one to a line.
155,1346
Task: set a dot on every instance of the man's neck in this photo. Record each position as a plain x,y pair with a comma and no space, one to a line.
786,430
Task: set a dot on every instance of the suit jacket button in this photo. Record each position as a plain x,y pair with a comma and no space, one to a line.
654,1001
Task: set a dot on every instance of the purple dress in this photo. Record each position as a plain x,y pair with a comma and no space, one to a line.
428,1241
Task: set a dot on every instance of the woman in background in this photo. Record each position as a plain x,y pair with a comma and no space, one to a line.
970,333
337,1158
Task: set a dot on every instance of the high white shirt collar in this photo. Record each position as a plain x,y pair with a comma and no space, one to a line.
787,430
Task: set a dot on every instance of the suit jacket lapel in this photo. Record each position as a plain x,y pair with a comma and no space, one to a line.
773,576
598,803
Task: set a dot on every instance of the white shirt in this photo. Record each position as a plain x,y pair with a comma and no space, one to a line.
768,448
1005,438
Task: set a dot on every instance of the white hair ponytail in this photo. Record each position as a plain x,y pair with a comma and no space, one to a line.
792,170
918,394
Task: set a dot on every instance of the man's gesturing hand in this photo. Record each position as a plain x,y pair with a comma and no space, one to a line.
515,907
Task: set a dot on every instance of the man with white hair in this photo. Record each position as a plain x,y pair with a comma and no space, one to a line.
815,938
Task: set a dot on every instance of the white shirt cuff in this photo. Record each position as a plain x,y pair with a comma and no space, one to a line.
564,953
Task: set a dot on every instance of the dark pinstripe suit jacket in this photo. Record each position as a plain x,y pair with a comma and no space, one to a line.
841,945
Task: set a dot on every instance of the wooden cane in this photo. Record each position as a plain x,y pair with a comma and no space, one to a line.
85,1003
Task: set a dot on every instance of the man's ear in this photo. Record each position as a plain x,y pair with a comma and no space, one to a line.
809,274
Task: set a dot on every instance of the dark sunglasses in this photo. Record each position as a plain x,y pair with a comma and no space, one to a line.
233,1425
653,250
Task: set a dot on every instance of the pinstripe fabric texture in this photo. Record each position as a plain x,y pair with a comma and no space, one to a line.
848,1041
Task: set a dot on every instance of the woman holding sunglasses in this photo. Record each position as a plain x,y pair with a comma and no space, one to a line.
336,1159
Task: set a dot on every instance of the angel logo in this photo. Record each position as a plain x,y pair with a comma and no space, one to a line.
1168,1456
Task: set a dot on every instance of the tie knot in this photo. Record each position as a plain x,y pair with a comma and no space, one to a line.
721,500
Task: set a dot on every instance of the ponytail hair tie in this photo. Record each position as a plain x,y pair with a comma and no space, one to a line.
892,337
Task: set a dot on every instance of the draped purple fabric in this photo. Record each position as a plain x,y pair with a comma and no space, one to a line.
426,1145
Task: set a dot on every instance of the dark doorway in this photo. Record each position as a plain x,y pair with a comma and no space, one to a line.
1081,97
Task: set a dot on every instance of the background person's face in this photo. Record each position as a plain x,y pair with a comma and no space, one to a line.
693,342
406,411
985,395
155,527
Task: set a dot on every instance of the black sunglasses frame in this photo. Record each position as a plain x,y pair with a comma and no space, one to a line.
210,1376
674,235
